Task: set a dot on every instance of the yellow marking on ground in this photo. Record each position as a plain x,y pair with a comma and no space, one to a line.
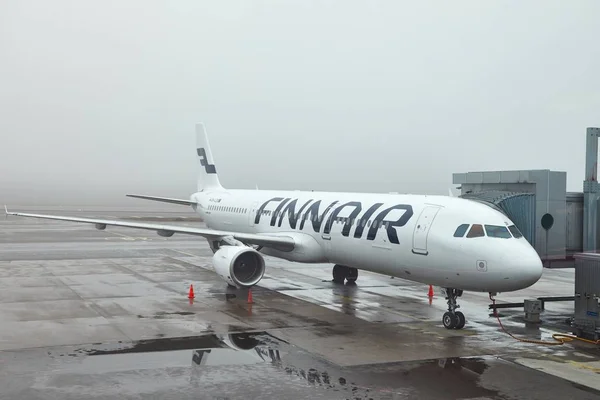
574,363
584,366
123,236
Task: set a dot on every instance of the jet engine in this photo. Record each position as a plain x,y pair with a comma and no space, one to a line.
240,266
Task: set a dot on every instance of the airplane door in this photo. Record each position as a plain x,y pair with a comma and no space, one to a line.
422,229
327,245
252,213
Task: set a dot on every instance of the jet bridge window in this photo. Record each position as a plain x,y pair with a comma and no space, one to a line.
461,230
515,231
497,231
476,231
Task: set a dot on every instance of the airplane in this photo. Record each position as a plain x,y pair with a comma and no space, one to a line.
450,242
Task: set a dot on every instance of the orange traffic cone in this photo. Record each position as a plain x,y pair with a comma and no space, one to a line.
250,296
191,295
430,294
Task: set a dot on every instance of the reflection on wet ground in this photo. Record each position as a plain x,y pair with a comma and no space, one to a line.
258,366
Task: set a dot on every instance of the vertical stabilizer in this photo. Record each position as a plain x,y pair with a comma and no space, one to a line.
207,176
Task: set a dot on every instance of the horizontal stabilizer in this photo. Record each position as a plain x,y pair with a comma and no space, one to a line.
163,199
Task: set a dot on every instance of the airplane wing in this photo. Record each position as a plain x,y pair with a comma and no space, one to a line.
278,242
163,199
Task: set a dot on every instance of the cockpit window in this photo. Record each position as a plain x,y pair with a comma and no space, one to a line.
497,231
476,231
515,232
460,231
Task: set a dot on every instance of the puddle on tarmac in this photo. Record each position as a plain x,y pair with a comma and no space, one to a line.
259,365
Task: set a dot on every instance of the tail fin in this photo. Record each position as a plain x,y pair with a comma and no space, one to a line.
207,177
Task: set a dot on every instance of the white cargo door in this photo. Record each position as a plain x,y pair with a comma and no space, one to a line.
422,229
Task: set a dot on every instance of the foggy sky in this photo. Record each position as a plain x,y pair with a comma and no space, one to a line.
99,99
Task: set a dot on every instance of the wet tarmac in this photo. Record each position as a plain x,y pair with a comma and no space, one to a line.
105,314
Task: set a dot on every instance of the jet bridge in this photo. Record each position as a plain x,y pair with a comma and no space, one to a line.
535,200
562,226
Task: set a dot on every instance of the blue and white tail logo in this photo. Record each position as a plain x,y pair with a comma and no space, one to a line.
209,168
207,177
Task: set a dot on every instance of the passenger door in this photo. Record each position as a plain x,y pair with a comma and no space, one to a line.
252,213
422,229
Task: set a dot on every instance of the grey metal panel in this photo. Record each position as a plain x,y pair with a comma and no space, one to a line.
558,185
458,178
509,176
557,235
591,191
524,177
574,229
491,177
575,197
475,177
587,291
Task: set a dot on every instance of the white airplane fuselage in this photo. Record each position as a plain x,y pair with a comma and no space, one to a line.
406,236
454,243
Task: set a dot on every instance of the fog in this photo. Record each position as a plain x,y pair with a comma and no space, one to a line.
99,99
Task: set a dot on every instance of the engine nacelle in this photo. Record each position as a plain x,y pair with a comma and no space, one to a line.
306,249
239,266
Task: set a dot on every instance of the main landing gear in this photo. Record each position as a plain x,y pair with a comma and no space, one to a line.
453,319
341,273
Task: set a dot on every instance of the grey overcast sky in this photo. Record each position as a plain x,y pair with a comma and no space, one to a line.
99,99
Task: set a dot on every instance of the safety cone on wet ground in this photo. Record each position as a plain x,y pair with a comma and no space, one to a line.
430,294
250,296
191,294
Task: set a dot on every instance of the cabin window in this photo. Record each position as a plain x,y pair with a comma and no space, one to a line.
476,231
461,230
498,231
515,232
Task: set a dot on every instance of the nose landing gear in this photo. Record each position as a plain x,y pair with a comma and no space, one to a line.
453,319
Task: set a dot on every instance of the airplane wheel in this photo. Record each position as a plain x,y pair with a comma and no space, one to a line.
352,275
340,273
461,320
449,320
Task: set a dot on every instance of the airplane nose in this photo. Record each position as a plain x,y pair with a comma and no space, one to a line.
529,267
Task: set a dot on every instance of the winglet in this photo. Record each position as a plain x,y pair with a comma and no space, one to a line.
5,210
